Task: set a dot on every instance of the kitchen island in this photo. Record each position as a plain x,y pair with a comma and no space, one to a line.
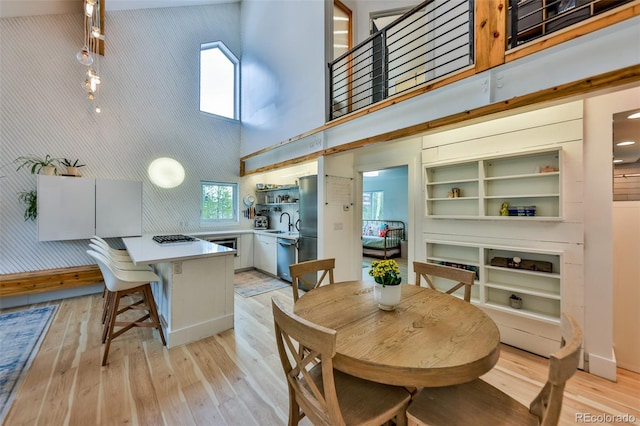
195,294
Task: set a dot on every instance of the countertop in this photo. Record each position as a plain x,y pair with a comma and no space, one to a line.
221,234
143,250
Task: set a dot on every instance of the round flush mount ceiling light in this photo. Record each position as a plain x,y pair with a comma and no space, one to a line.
166,172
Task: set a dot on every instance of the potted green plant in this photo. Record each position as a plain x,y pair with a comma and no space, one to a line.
46,165
30,198
72,167
387,291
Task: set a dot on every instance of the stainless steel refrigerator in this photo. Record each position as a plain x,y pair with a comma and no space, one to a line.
308,213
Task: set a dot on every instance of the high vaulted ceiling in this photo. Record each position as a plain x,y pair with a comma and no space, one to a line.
13,8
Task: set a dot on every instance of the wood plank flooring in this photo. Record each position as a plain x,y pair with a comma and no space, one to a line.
234,378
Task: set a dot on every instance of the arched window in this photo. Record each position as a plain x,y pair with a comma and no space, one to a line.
219,80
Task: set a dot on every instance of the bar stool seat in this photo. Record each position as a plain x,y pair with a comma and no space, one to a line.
121,283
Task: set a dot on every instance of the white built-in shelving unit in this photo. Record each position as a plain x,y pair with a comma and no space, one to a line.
540,291
521,180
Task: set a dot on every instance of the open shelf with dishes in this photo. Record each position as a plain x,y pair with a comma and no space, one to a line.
278,195
523,186
533,278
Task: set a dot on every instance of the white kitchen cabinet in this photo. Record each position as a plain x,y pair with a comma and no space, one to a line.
118,208
66,208
245,251
72,208
265,253
531,179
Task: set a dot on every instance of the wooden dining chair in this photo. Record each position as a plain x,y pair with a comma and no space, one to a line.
306,273
324,395
478,402
429,271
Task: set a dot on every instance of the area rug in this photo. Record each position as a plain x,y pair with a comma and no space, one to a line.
21,334
251,283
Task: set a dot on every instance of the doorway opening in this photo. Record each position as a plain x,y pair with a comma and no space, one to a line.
385,205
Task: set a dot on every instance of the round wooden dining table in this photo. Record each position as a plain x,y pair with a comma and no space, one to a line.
431,338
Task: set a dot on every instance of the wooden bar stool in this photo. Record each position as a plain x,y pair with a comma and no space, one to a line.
121,283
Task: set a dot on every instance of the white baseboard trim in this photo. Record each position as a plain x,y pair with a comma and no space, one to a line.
197,331
603,367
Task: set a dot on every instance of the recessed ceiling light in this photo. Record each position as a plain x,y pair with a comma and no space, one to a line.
625,143
617,161
634,115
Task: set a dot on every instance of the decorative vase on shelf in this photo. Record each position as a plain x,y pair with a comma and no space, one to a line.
387,296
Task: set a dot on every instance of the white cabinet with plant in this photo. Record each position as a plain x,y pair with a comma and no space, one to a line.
66,208
517,186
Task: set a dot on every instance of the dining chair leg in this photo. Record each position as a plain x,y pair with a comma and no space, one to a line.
106,315
113,307
153,310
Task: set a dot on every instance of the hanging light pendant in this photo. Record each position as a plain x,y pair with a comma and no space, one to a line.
84,56
90,53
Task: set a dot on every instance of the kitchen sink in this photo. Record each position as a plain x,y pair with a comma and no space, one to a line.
280,232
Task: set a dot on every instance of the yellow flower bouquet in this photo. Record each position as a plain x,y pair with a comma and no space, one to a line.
385,272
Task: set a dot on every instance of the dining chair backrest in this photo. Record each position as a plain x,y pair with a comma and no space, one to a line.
562,365
306,273
460,277
479,402
320,405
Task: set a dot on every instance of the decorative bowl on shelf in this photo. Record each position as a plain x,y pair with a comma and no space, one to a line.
259,185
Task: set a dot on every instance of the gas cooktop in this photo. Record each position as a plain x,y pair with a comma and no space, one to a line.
172,239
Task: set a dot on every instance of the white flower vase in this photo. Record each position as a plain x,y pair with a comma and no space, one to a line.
388,296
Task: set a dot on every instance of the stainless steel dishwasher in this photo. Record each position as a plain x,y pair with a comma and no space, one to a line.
286,256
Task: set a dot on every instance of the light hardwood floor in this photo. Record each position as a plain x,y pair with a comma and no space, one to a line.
234,378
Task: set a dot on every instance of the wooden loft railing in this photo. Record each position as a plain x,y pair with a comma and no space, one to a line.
490,51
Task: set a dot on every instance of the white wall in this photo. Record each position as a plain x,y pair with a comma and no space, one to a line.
150,108
283,70
405,152
393,182
598,271
626,284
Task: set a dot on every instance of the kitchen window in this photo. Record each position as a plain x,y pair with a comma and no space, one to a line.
218,201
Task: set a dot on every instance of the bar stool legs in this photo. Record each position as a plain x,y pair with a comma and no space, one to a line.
145,304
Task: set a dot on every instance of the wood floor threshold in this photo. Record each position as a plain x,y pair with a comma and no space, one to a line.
21,283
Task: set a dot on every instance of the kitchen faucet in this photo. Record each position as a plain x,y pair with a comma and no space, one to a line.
289,225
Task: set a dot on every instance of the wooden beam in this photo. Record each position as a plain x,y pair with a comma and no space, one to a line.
611,79
47,280
490,34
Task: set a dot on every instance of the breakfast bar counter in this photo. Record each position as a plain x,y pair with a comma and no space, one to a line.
195,294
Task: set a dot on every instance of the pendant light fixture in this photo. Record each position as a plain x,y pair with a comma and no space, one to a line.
89,54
